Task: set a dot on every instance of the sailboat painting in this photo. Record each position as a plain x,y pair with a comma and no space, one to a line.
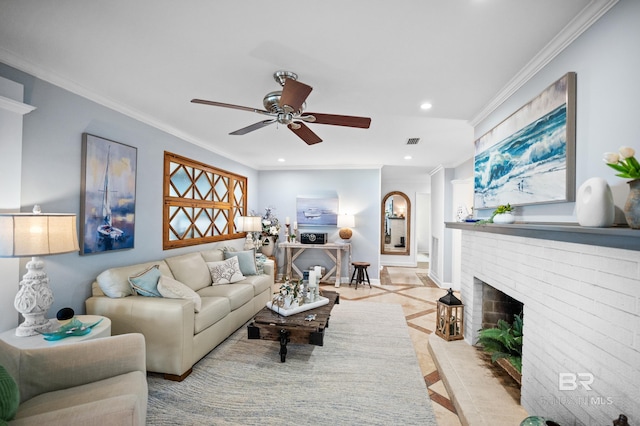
108,200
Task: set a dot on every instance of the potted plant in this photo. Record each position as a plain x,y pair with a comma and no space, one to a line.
504,342
503,214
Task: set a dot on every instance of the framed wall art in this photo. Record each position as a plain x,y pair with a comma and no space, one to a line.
108,195
529,158
317,211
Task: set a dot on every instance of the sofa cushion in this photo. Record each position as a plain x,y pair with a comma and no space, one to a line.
260,283
114,282
238,293
225,272
246,260
190,269
215,255
145,283
174,289
9,395
213,310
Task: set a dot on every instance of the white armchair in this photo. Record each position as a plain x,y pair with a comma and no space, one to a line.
100,381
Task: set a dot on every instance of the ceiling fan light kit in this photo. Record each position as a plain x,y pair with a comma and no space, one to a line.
286,107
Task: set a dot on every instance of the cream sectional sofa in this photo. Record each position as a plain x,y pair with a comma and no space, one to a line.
176,336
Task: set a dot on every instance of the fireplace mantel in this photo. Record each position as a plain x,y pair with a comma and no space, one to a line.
615,237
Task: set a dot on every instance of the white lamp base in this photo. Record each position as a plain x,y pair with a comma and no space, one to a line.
34,300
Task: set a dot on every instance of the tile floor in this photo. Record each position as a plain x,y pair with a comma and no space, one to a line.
401,285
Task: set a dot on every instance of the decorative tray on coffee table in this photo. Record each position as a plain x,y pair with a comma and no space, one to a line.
321,301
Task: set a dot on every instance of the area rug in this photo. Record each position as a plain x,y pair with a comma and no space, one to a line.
366,373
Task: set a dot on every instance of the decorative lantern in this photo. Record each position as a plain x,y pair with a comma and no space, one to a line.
450,318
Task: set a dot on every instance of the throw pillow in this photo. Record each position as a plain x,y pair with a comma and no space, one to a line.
146,282
9,396
246,259
260,259
225,272
174,289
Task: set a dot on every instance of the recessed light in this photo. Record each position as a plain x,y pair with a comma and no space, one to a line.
426,105
407,157
281,160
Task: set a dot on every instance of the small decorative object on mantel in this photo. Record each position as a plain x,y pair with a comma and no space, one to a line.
628,167
501,215
450,317
594,203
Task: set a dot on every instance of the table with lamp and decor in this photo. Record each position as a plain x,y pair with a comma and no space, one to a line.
35,235
319,241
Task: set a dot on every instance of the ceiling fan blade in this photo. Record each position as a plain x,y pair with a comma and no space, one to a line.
294,94
305,133
220,104
338,120
255,126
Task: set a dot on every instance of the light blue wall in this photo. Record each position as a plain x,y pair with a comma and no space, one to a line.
358,191
606,59
51,178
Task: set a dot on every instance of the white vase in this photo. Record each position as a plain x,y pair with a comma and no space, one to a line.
290,302
507,217
594,204
268,249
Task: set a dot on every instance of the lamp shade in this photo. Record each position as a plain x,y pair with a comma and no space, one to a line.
34,234
346,221
250,223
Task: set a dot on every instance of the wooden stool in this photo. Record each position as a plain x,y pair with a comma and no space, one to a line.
359,273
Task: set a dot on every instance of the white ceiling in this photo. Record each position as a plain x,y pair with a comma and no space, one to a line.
380,59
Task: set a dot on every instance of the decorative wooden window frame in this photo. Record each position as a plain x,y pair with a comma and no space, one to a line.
201,203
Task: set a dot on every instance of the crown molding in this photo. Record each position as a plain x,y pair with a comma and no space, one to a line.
587,17
9,104
28,67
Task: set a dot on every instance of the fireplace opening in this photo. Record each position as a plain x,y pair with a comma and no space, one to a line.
497,305
502,348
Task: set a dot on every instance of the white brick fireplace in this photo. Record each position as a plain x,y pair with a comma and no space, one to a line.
581,362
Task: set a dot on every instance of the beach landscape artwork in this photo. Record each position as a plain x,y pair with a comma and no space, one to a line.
316,211
108,199
529,158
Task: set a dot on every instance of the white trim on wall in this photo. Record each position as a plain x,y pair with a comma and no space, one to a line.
587,17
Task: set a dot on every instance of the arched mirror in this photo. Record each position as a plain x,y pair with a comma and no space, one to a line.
396,223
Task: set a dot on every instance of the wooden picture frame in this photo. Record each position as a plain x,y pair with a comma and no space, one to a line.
108,195
529,158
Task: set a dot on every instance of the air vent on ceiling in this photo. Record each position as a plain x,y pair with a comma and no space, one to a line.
413,141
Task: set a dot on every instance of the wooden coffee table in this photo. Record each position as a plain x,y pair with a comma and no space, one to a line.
269,325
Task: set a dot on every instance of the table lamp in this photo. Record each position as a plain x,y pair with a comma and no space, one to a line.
345,222
250,224
36,234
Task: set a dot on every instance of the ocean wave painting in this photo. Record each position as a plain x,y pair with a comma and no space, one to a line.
529,158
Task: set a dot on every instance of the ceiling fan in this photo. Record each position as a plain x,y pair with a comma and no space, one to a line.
287,106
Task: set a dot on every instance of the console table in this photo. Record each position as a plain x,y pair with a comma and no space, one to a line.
294,250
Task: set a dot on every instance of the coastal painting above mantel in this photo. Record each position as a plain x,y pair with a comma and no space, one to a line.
529,158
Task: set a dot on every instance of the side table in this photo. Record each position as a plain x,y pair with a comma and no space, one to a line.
101,330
